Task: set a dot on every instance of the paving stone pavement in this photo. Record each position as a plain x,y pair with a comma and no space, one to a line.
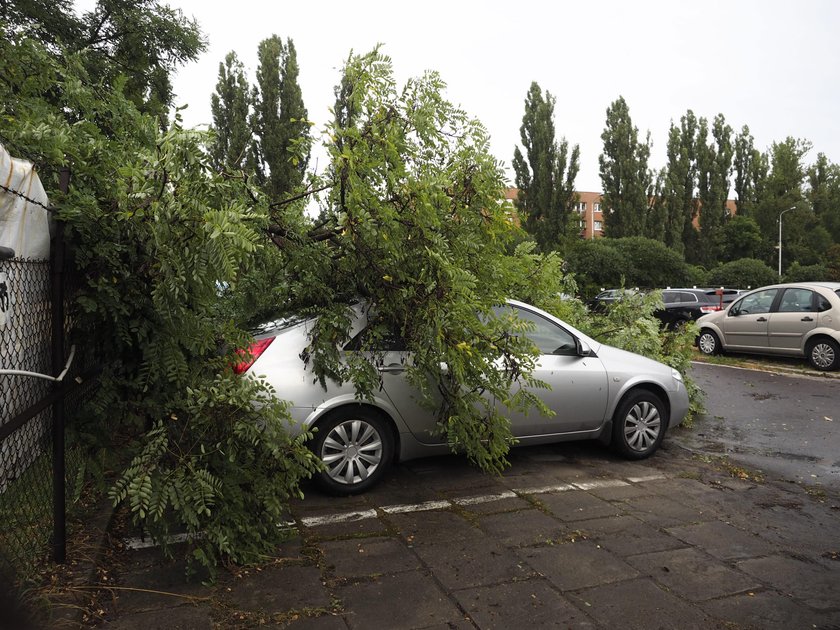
570,537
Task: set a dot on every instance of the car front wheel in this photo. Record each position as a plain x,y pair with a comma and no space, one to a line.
356,448
639,425
824,354
708,342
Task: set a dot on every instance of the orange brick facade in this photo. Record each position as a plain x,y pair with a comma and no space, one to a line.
590,215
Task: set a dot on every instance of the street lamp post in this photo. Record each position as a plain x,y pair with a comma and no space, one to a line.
780,238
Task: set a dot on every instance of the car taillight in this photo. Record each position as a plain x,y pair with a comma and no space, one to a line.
251,354
710,309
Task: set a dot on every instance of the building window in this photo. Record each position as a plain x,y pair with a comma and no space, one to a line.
599,226
596,207
580,206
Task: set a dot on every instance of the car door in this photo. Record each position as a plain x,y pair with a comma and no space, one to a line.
386,351
746,323
794,317
578,385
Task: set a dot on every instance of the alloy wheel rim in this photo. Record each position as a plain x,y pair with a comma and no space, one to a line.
642,426
823,355
352,451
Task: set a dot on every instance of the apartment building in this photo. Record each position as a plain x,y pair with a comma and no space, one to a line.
589,212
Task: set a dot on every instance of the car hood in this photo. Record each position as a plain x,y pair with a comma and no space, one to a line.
629,363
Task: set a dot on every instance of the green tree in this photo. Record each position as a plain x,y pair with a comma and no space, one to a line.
230,105
142,41
743,273
750,168
740,238
596,265
651,263
714,161
546,178
155,232
279,122
625,176
680,184
806,273
824,194
783,185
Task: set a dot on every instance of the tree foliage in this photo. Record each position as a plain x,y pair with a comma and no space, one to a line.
230,106
142,41
279,121
743,273
680,184
155,232
714,161
625,175
545,176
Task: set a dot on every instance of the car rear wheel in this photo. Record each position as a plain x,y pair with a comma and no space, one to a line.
639,425
824,354
356,447
708,342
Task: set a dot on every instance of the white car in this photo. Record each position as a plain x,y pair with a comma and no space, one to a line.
800,319
596,392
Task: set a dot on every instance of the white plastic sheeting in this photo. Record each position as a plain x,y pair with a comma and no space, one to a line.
24,219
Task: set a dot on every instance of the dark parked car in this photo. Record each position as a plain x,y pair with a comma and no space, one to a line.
687,305
601,302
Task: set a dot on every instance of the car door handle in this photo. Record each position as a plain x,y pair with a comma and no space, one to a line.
393,368
761,319
807,319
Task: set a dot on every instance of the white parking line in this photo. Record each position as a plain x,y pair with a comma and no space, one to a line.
346,517
600,483
563,487
656,477
487,498
426,506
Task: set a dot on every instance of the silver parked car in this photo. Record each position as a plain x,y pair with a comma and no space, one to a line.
800,319
597,392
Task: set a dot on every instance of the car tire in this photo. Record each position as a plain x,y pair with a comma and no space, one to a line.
639,425
823,354
356,447
708,342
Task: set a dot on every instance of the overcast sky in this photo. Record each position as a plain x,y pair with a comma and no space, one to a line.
770,64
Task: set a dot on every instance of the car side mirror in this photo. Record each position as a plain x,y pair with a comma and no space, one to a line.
583,349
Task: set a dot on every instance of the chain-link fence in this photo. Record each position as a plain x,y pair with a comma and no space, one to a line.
27,402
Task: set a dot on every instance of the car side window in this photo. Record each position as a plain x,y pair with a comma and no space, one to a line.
371,338
755,303
687,298
670,298
822,303
796,301
547,336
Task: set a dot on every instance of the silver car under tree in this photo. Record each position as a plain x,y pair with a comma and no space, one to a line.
800,319
596,392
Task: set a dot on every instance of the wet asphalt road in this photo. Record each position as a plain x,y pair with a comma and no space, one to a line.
785,425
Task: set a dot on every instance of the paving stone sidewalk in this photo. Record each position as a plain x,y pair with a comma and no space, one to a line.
568,538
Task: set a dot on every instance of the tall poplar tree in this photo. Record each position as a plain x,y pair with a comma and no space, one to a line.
546,177
625,176
750,169
680,183
230,105
824,194
279,119
714,166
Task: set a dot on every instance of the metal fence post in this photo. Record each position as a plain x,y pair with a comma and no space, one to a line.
59,542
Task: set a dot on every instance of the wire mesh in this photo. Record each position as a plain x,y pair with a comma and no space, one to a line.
25,453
